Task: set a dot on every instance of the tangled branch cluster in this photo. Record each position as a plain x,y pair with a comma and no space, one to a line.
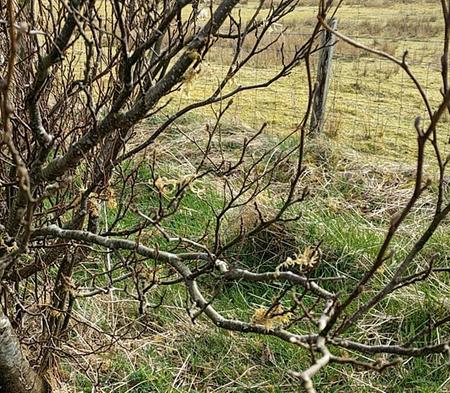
78,81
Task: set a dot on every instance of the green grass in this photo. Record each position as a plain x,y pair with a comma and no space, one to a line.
186,357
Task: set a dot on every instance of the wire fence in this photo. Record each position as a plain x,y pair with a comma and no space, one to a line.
371,102
370,97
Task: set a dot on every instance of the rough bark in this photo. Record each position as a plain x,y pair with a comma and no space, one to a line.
16,374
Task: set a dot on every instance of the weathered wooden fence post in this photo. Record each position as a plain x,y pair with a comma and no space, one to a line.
323,79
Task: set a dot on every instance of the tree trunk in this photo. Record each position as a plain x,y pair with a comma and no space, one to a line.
16,374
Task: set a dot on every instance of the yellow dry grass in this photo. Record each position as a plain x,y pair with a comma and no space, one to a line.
372,104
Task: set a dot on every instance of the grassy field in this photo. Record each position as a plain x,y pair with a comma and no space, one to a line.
360,172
